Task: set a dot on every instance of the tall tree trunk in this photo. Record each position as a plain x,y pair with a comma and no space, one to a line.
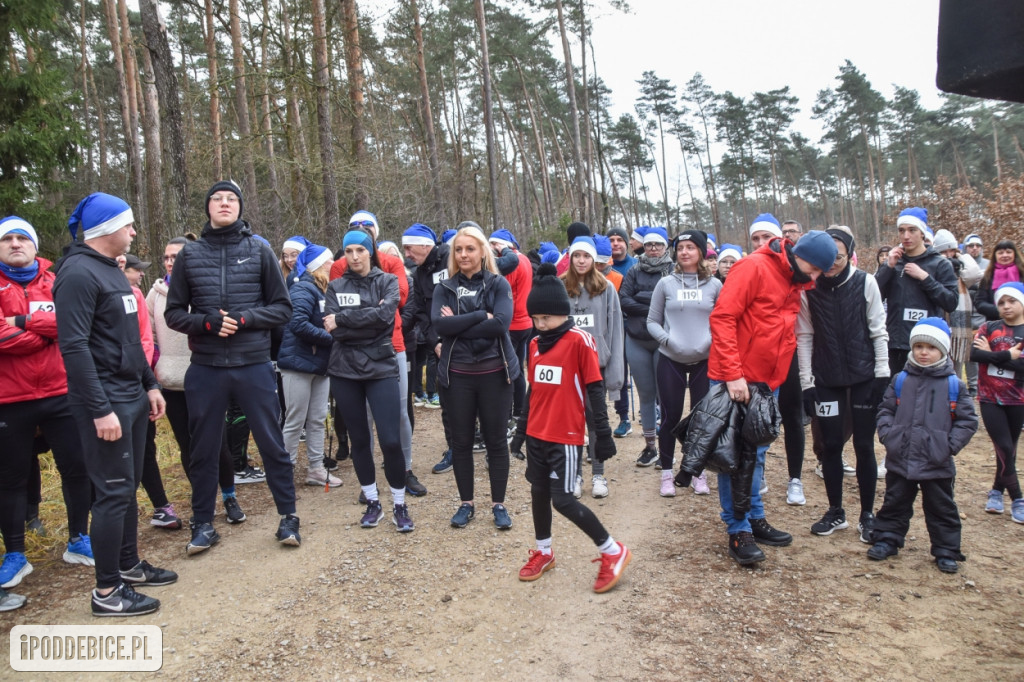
545,177
588,148
871,187
214,93
485,68
103,181
154,163
84,66
354,67
131,73
266,128
130,138
428,116
321,80
570,87
295,139
242,114
171,129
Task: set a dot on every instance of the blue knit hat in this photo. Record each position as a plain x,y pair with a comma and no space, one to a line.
1014,290
931,330
639,233
658,235
730,250
712,242
547,246
915,217
365,219
419,235
448,236
298,243
584,244
505,238
766,222
99,214
311,258
818,249
19,226
972,239
550,256
358,236
603,245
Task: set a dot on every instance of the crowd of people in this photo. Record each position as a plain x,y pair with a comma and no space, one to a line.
521,351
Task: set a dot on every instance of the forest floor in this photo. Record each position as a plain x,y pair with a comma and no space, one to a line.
443,603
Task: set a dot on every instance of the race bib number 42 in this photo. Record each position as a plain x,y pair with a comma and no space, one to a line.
914,314
348,300
547,374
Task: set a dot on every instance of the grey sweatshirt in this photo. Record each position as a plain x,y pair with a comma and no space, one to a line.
601,316
679,319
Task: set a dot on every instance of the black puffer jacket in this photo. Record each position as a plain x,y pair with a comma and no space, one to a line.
428,275
722,436
908,300
839,314
227,269
364,308
636,291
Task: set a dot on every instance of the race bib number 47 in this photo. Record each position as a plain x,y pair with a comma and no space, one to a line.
547,374
829,409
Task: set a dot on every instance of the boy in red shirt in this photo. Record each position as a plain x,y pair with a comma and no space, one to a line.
563,363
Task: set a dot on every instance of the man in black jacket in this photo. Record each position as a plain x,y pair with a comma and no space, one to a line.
227,293
112,393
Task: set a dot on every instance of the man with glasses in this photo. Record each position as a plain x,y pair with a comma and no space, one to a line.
227,293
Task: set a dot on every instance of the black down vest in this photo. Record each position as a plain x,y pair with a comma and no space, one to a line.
843,353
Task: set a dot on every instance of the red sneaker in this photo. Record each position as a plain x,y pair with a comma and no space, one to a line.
536,565
612,566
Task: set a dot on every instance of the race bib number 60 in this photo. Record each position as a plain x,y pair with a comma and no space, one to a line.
547,374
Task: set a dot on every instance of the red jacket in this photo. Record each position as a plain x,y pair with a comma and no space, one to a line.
30,360
521,281
394,265
753,323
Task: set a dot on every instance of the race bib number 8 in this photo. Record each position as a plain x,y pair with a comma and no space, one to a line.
914,314
131,306
348,300
546,374
1001,372
586,321
829,409
43,307
690,295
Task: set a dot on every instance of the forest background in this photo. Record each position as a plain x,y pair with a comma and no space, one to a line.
441,112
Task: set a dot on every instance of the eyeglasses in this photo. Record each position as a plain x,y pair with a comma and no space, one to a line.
221,198
654,245
362,223
839,259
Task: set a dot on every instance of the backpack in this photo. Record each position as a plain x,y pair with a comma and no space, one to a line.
954,390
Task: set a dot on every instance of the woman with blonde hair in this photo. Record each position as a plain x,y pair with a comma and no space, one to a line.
290,251
471,312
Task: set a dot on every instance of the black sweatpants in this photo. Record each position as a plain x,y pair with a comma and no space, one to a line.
177,415
351,397
254,387
791,406
940,514
489,398
1003,423
152,482
115,469
18,465
836,405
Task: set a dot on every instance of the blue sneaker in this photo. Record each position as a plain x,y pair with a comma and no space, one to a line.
445,465
401,518
994,505
1017,510
372,515
14,568
623,429
433,402
80,552
502,521
463,516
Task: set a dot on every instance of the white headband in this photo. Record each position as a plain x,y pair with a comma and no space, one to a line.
413,240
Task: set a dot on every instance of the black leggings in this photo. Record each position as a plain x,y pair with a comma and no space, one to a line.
569,507
791,406
833,403
351,397
18,423
424,357
673,378
489,398
1003,423
152,482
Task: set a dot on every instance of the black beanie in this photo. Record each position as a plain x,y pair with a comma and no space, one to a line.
548,296
699,239
618,232
842,235
229,186
577,230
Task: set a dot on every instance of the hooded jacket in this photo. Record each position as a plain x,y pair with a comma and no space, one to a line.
908,300
30,361
306,345
174,353
227,269
919,432
396,267
752,325
98,332
679,317
636,291
364,308
469,336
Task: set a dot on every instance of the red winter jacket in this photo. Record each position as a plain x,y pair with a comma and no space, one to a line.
521,281
753,324
30,360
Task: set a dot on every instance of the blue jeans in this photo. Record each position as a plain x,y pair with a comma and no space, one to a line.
741,524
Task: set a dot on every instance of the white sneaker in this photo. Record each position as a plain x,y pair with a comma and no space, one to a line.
599,486
700,484
577,487
818,471
321,476
848,470
795,492
882,469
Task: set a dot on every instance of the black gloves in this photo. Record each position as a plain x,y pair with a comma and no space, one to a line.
604,447
810,395
878,387
213,323
515,447
240,319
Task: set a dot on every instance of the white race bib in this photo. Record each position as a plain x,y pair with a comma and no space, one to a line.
1001,372
829,409
585,321
348,300
440,276
323,303
689,295
131,306
43,307
914,314
547,374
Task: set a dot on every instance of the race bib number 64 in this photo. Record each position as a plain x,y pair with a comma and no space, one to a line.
547,374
